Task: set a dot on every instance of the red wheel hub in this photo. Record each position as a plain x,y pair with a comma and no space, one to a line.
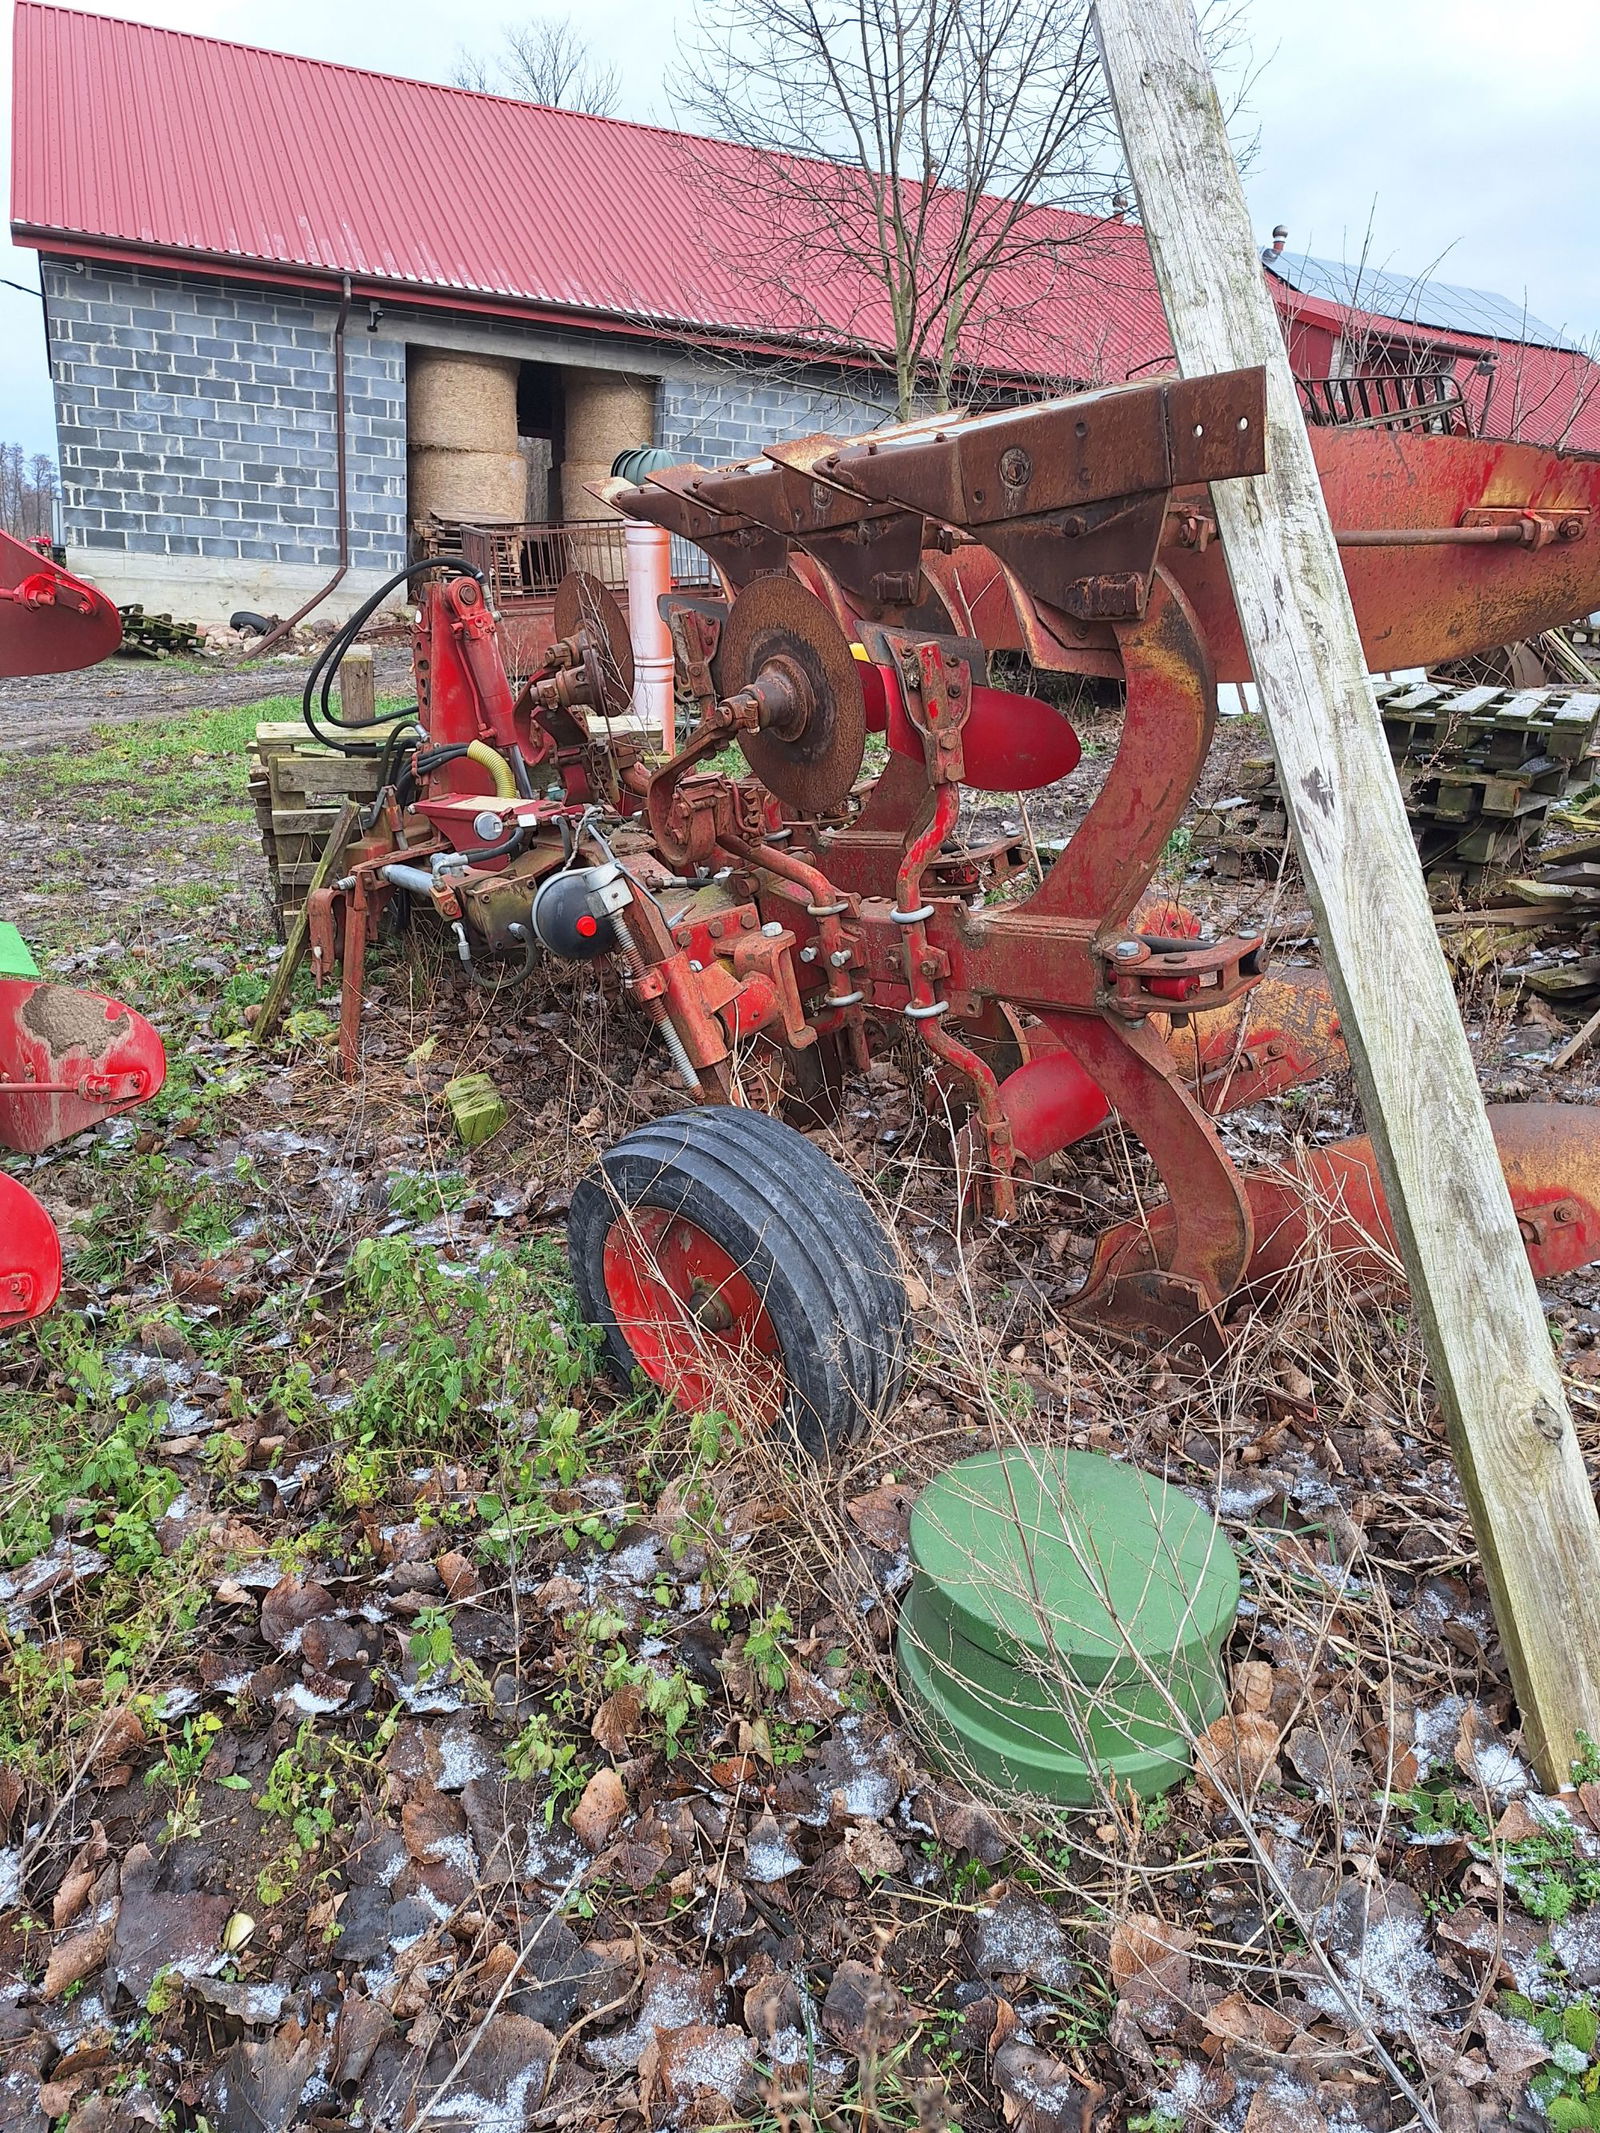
693,1318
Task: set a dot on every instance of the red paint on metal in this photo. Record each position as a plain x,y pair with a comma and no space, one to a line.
1010,743
1051,1102
693,1318
67,1060
50,621
1427,604
30,1255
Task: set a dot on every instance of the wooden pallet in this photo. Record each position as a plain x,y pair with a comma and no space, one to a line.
1479,769
298,788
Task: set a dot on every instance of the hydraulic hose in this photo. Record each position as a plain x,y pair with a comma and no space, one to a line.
319,682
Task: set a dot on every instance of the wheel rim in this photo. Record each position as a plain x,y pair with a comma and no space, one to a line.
693,1318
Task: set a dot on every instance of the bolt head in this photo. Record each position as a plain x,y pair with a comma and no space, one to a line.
839,958
771,929
1126,950
808,954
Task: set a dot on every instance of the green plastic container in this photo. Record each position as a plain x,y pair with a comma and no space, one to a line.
1034,1571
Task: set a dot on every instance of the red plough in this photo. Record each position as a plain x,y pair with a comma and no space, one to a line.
782,926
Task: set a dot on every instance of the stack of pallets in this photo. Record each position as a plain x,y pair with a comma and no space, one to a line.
1479,770
298,788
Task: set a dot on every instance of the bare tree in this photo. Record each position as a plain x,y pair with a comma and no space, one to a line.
27,492
546,61
914,156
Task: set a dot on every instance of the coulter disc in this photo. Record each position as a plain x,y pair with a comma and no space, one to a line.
776,623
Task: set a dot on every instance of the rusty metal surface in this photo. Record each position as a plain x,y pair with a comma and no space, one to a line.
1071,493
776,625
1436,602
584,607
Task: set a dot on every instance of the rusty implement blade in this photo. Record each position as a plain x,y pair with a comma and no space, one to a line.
67,1060
1330,1209
30,1255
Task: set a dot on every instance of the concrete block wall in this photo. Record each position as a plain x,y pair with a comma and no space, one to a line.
195,422
730,414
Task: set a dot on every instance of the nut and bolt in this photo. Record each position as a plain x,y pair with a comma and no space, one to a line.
771,930
808,954
748,920
1125,951
840,958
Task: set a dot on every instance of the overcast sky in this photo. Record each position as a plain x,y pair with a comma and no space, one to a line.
1459,132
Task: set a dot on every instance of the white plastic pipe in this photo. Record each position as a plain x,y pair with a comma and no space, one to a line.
649,577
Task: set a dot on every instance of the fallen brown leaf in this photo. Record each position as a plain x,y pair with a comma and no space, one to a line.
600,1810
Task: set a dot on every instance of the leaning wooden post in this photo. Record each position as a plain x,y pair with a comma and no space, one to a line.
1497,1382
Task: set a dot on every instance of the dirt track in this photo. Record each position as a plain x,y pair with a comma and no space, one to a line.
47,710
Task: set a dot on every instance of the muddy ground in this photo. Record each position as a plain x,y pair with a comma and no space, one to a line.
402,1726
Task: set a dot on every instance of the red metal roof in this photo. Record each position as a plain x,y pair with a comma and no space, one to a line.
1533,394
141,141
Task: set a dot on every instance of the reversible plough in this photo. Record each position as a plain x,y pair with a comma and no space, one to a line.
67,1058
782,926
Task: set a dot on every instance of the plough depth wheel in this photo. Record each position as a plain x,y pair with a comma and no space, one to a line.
750,1274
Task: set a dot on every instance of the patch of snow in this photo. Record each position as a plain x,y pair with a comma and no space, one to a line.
1393,1972
507,2113
871,1792
1244,1498
314,1706
772,1860
1188,2094
430,1698
1500,1771
719,2063
671,2003
1576,1942
1434,1739
10,1877
461,1758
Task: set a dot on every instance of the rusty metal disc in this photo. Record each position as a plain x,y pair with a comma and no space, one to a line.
583,603
776,622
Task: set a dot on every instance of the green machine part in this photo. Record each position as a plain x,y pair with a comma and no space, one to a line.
1065,1623
16,959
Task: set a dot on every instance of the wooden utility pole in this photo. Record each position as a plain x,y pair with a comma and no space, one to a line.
1498,1386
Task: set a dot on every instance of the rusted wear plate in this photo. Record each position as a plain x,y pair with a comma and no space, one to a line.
1420,606
1088,448
71,1058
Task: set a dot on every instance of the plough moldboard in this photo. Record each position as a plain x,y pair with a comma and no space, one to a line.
783,925
67,1058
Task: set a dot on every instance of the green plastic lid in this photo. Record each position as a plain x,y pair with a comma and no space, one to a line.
15,959
1037,1551
1065,1621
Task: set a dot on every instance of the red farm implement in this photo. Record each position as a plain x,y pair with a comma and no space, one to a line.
67,1058
782,926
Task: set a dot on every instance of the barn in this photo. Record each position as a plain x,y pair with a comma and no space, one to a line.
300,315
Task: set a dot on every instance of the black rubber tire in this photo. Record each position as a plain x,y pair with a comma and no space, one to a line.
820,1259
